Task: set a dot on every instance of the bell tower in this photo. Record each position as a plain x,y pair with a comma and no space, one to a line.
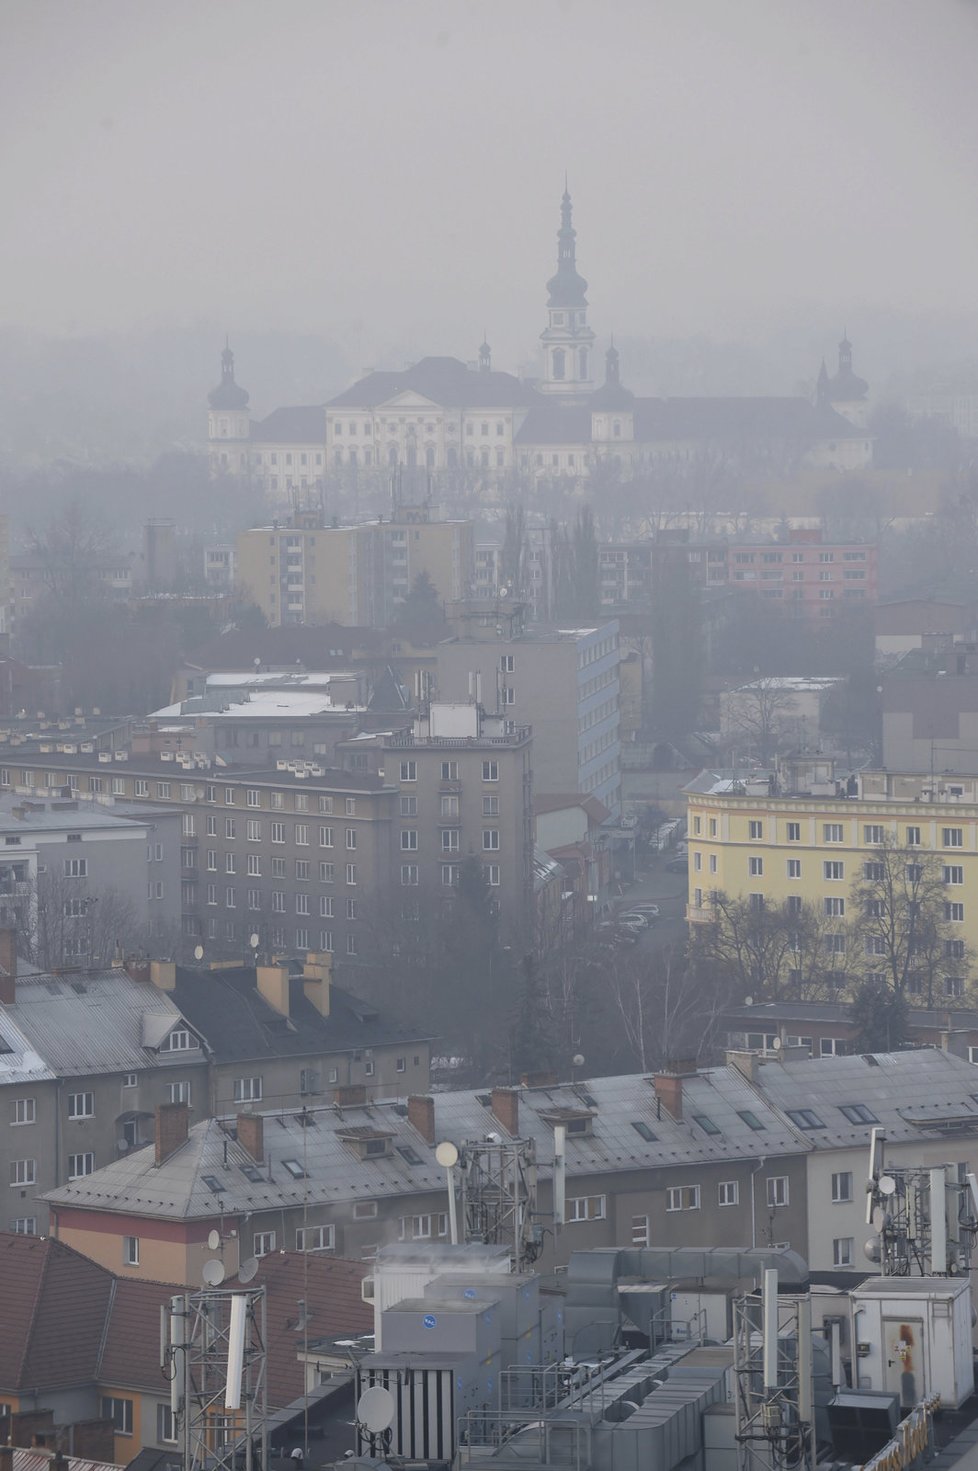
568,341
228,421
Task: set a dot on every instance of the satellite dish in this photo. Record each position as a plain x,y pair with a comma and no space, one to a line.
872,1249
748,1001
375,1409
886,1185
213,1273
446,1154
248,1269
880,1217
578,1059
776,1044
253,941
122,1144
213,1240
198,952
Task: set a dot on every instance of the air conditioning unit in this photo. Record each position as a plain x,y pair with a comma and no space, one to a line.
166,755
122,755
69,749
88,747
105,757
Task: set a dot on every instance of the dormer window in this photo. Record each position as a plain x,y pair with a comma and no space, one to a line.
179,1040
369,1143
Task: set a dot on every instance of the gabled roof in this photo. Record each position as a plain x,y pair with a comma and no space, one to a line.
54,1306
446,381
225,1007
93,1021
301,424
552,422
131,1352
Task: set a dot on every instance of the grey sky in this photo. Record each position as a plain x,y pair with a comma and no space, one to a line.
390,170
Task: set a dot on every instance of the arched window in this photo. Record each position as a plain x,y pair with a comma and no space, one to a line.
412,456
559,359
392,455
353,456
616,429
582,362
429,457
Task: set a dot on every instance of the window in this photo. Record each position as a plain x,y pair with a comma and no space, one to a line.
842,1187
166,1425
953,873
832,832
586,1208
873,832
842,1251
80,1165
640,1231
24,1111
705,1123
119,1411
409,840
75,868
490,840
23,1172
914,873
409,771
728,1192
953,949
130,1251
833,870
683,1198
777,1191
805,1118
755,830
247,1090
952,837
178,1092
230,827
794,868
315,1238
490,771
409,874
954,913
834,908
81,1105
278,832
351,873
325,873
913,837
23,1226
302,835
793,832
364,1210
755,867
262,1243
749,1117
831,1047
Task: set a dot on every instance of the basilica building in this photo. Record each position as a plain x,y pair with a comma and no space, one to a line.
452,425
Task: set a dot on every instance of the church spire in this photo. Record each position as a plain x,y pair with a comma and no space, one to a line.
228,394
568,339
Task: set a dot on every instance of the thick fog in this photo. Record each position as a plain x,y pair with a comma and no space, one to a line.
389,173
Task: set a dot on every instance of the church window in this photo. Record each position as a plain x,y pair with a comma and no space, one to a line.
485,428
367,429
257,459
429,457
616,429
353,461
570,461
303,459
582,360
337,457
485,459
452,457
275,482
559,362
338,429
499,426
319,459
501,460
353,428
366,457
470,458
274,459
288,458
392,455
469,429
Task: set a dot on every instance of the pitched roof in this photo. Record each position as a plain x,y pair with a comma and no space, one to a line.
330,1288
131,1351
552,422
446,381
736,419
238,648
54,1306
301,424
225,1007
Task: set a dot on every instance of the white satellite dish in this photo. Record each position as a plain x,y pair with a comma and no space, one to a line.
748,1001
776,1044
248,1269
880,1217
886,1185
198,952
213,1240
446,1154
253,941
213,1273
375,1409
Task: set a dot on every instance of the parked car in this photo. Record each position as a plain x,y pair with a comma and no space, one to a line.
633,917
651,911
678,865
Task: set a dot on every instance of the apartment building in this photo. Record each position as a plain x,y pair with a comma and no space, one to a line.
563,683
930,709
465,784
300,571
812,840
827,1028
298,857
736,1155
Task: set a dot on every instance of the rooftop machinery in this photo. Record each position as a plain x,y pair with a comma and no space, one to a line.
925,1218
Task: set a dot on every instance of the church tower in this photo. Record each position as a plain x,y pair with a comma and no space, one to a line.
228,421
568,341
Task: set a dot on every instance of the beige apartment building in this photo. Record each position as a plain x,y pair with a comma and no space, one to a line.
300,571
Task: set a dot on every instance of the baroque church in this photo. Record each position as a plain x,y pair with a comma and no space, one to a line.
457,424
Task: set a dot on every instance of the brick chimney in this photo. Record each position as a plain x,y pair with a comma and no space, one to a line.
251,1135
8,965
349,1095
172,1128
505,1104
421,1113
669,1093
539,1080
136,968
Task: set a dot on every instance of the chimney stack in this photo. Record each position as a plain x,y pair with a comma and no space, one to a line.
137,968
669,1092
505,1104
251,1135
163,974
273,985
8,966
421,1114
172,1128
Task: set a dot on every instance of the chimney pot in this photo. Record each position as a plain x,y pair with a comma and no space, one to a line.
421,1113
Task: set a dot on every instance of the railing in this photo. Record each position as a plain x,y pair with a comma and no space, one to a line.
405,740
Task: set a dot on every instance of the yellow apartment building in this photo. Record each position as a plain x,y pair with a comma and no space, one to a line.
807,837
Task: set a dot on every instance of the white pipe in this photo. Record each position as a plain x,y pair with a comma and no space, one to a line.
806,1389
873,1174
560,1175
769,1319
938,1222
178,1338
973,1187
236,1337
452,1206
835,1339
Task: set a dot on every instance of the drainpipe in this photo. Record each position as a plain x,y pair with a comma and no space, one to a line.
753,1211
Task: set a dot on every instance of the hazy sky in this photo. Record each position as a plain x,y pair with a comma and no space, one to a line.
390,170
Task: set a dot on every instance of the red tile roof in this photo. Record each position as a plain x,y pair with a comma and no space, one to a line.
54,1306
131,1353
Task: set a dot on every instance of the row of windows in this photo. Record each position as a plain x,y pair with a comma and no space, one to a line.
121,786
449,771
450,875
874,833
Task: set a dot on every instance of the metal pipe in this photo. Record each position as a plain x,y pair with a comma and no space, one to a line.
769,1319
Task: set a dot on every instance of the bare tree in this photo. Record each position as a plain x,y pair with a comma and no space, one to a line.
760,713
65,922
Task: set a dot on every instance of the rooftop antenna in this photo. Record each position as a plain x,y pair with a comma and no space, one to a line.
447,1156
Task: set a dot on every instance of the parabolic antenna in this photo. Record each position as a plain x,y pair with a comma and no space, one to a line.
253,941
447,1155
213,1240
375,1409
198,952
776,1044
880,1218
248,1269
213,1273
873,1249
886,1185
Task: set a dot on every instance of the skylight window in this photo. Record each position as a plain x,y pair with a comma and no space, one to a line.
805,1118
705,1123
294,1168
750,1118
410,1155
253,1173
858,1113
642,1129
212,1183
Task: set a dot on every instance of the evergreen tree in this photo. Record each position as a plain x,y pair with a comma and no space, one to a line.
421,606
513,560
880,1017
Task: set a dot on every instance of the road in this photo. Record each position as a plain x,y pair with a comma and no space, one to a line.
653,885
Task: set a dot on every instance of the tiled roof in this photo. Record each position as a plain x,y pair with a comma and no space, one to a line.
92,1022
737,419
552,422
302,424
131,1352
446,381
226,1008
330,1288
54,1305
